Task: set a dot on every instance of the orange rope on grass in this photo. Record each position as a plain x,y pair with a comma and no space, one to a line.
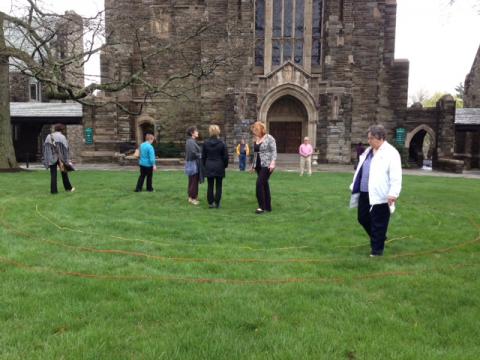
368,276
234,261
163,243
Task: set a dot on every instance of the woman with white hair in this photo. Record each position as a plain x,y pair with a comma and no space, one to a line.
377,184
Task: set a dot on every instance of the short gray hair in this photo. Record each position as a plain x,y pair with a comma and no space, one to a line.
377,131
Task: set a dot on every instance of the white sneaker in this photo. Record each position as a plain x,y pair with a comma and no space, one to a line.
71,190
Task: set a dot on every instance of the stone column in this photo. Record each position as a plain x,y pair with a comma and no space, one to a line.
307,36
75,141
446,127
268,35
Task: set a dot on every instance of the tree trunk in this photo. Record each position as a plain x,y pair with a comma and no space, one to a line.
7,152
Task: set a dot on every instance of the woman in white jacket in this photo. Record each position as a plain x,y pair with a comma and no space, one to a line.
377,183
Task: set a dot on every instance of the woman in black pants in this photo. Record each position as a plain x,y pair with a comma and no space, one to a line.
215,160
55,154
265,155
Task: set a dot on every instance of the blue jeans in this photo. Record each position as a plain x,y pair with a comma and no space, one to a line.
242,161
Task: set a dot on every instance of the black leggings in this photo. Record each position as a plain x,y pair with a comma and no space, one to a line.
218,190
263,189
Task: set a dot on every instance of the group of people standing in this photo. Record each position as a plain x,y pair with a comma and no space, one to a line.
375,188
211,161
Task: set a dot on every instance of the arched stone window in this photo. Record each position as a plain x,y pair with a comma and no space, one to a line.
288,30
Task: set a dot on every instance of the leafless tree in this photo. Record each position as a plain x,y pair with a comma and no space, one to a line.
54,48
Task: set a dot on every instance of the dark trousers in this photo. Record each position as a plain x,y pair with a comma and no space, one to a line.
193,186
53,180
218,190
145,172
242,161
263,189
375,222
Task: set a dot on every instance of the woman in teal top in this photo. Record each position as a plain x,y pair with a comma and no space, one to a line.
147,163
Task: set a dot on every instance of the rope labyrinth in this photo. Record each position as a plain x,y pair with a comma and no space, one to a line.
14,263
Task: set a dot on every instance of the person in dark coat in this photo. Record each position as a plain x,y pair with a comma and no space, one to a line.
215,161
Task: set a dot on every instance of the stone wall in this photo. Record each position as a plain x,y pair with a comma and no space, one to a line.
358,83
472,84
19,87
76,142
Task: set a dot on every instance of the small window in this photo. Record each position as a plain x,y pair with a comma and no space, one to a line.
335,107
299,52
259,52
34,92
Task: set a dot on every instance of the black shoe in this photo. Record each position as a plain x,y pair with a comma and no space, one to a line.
217,205
136,190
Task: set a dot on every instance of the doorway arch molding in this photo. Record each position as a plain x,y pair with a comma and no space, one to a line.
142,120
414,132
300,94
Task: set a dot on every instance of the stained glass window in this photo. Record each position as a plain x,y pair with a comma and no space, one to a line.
298,52
259,32
259,46
260,19
287,50
288,19
277,19
316,32
276,52
299,19
287,31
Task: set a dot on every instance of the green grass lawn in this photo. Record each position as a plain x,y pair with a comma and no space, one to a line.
106,273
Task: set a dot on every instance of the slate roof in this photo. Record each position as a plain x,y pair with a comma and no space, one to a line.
469,116
45,110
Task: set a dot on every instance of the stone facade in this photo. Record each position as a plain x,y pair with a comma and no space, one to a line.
341,72
468,132
472,85
19,87
30,131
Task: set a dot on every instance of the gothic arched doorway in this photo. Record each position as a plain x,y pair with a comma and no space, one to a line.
421,144
287,121
145,124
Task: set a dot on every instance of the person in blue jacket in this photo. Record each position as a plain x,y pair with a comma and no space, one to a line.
147,163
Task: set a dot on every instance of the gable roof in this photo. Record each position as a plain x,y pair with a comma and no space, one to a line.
46,110
467,116
286,64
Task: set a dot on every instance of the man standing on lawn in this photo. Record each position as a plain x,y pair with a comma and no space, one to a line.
377,183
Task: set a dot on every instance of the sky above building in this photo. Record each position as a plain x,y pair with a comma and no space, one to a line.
440,40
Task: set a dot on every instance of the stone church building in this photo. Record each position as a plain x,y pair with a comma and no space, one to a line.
318,68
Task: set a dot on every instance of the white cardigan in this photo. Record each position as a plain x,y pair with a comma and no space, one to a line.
385,174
